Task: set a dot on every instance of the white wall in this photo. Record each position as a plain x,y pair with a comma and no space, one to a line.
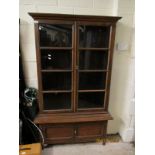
122,86
122,83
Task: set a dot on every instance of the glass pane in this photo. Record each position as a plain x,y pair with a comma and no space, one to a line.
56,35
56,81
56,59
94,36
91,100
54,101
92,80
93,59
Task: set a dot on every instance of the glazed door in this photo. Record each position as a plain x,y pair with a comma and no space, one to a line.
74,65
92,62
56,65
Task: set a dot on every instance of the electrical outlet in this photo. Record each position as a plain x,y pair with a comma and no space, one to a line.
122,46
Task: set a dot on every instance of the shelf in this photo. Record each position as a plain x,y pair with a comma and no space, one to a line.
56,91
93,70
94,49
85,91
58,70
69,91
55,48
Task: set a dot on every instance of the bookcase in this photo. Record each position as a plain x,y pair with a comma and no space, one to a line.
74,63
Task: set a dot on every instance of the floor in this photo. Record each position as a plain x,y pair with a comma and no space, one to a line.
117,148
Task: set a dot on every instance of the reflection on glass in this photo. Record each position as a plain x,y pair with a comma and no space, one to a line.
93,59
56,35
95,80
55,101
91,100
94,36
56,81
56,59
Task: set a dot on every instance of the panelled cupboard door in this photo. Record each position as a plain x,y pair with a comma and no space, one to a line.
56,42
62,133
59,133
92,57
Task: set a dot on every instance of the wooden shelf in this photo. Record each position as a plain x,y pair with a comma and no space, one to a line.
93,70
55,48
85,91
94,49
56,91
52,70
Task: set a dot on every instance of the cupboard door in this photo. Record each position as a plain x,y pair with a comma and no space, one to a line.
93,53
59,133
89,131
56,64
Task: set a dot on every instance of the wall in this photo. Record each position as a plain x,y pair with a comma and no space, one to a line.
122,84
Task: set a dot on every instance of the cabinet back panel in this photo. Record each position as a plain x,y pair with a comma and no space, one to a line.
93,60
56,59
94,36
57,101
55,35
56,81
91,100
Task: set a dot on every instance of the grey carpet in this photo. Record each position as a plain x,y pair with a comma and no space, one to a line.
118,148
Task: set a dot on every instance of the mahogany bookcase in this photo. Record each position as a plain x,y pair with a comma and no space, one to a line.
74,64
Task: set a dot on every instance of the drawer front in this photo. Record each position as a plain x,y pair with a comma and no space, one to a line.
88,130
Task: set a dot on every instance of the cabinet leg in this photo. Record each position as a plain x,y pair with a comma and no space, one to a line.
104,133
104,140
